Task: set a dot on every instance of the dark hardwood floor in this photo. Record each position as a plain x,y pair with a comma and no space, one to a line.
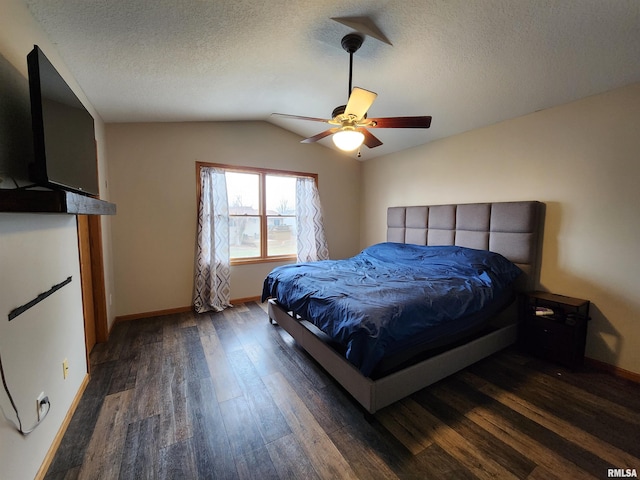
228,395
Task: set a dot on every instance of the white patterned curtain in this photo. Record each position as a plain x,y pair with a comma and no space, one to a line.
213,271
312,243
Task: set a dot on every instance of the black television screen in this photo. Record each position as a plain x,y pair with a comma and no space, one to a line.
63,131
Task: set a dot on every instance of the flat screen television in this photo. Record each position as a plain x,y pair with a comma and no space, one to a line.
63,132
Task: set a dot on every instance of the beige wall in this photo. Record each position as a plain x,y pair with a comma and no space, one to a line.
153,177
37,252
583,161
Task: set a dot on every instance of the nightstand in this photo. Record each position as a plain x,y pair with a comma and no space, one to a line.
554,327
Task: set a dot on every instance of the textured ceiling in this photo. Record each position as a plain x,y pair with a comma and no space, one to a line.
468,63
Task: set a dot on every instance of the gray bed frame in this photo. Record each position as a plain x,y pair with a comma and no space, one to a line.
513,229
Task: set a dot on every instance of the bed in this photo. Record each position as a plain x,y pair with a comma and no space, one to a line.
433,299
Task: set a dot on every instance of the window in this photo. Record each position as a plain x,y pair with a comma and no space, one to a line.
262,213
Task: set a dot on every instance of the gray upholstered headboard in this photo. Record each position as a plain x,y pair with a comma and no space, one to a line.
512,229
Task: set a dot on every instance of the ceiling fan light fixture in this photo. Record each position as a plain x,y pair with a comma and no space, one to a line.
348,139
350,124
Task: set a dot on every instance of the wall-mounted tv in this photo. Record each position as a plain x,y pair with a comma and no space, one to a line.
63,131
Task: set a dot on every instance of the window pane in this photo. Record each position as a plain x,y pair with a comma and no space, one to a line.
244,237
281,236
243,193
281,195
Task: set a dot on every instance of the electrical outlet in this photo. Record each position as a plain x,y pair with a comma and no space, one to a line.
42,403
65,368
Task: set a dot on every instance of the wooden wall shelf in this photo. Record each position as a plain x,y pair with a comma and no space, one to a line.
53,201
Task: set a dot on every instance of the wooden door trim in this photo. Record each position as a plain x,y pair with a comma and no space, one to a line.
99,288
86,279
92,236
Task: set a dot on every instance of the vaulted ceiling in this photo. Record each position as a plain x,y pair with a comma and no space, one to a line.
468,63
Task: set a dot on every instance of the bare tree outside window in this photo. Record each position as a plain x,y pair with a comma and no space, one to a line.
262,214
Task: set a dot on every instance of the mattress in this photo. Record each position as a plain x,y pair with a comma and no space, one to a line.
393,297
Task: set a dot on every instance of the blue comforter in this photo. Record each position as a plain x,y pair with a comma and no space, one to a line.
390,294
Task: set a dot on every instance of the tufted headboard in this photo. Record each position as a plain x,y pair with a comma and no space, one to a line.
512,229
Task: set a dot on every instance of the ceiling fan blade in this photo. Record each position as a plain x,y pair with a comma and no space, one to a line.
298,117
320,135
399,122
370,140
359,102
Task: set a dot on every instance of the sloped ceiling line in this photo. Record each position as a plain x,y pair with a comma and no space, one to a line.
468,64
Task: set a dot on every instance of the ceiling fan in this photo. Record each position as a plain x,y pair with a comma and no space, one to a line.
351,125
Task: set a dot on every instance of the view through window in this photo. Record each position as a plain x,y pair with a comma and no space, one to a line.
261,203
262,213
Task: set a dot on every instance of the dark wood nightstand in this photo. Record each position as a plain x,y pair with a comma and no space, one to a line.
554,327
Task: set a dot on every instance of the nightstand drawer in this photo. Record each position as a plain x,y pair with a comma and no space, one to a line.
554,327
549,339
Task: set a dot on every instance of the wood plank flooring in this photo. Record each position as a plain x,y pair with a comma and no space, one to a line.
228,395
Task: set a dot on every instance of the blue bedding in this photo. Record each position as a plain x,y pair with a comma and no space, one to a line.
391,294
